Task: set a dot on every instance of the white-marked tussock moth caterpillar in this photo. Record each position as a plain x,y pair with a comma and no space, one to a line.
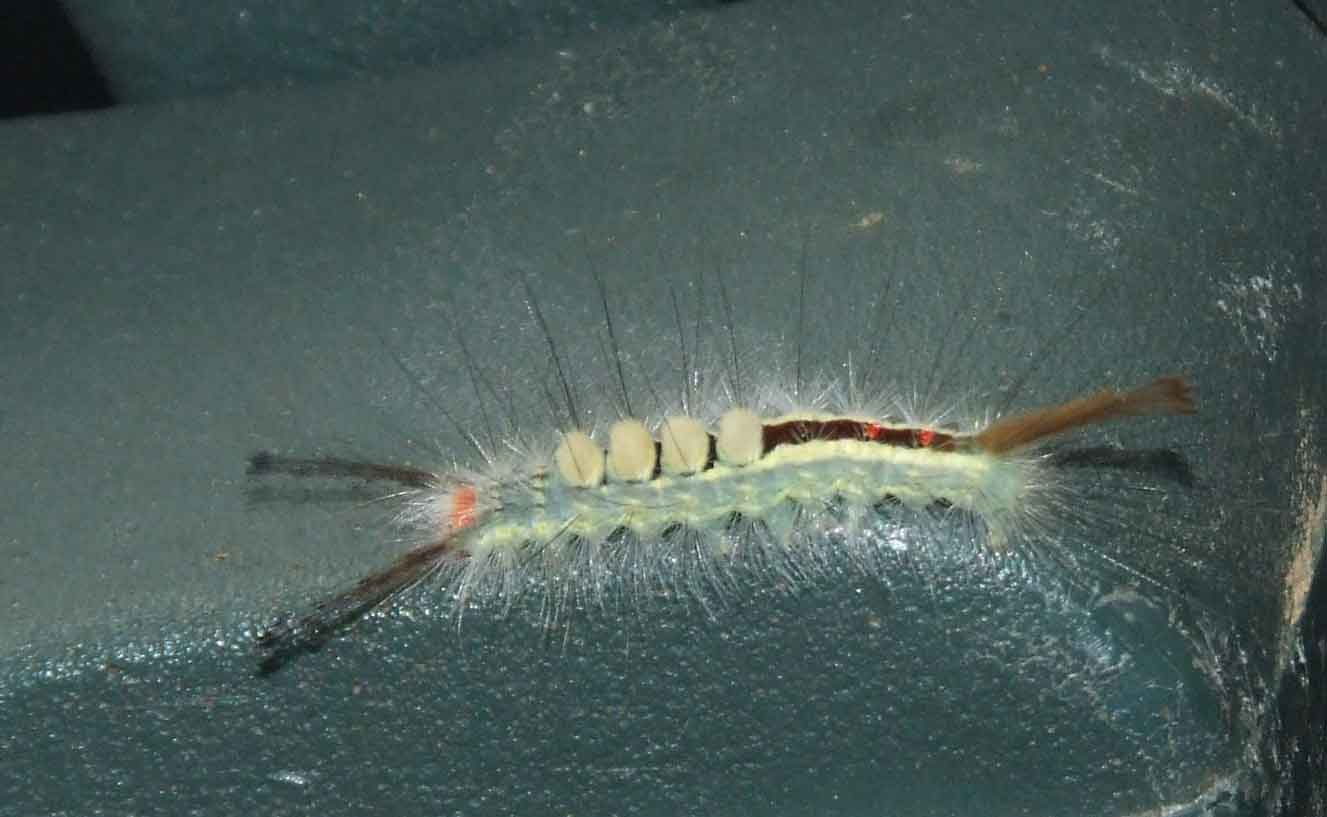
697,496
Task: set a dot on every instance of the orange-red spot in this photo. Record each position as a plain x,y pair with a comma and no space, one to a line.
874,430
925,437
464,499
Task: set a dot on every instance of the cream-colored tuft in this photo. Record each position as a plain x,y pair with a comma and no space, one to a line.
741,437
685,444
631,452
580,460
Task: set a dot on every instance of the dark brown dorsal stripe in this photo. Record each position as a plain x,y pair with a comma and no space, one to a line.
794,432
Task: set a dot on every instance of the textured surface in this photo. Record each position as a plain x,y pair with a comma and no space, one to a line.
1055,201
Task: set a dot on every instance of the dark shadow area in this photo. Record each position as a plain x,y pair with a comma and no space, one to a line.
47,68
1315,11
1301,743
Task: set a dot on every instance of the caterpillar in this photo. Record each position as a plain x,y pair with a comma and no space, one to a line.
749,488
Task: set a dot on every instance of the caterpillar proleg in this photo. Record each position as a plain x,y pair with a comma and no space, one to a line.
749,488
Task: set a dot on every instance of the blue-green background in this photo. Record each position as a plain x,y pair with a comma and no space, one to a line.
224,264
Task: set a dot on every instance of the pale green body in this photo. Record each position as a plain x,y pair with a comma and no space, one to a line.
542,509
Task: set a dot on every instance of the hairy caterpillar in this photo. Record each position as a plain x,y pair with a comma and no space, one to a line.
746,489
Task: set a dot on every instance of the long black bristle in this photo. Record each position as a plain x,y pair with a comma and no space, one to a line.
266,463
